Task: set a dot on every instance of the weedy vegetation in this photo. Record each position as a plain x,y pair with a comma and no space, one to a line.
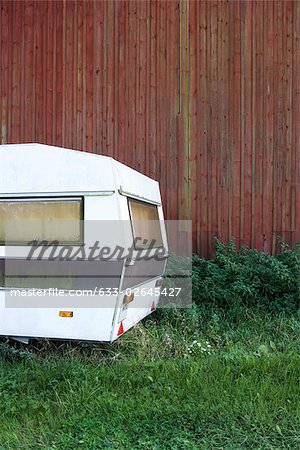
224,374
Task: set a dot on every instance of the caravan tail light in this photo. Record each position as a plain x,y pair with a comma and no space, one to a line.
128,299
121,329
65,314
159,282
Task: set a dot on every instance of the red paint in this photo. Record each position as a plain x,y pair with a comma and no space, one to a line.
202,96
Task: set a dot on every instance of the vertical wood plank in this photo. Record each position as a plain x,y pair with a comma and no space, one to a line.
235,126
247,89
5,107
268,134
287,125
59,74
16,73
89,75
215,123
259,118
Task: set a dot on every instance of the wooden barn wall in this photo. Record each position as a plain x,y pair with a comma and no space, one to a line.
202,95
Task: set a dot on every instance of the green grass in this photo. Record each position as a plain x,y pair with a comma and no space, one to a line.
219,403
224,374
147,391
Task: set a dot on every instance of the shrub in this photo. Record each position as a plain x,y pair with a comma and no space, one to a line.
248,278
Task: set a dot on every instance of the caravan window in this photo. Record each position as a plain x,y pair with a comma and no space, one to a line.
23,220
145,224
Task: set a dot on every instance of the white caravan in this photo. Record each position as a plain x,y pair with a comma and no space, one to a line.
98,197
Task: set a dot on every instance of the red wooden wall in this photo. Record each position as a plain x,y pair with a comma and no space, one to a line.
202,95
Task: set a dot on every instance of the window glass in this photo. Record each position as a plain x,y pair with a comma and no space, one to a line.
145,224
23,220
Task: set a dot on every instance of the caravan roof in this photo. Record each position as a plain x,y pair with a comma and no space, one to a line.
37,168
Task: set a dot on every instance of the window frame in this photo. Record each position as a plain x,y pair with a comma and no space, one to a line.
36,199
147,203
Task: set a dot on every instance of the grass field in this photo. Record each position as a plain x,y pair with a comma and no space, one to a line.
197,379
